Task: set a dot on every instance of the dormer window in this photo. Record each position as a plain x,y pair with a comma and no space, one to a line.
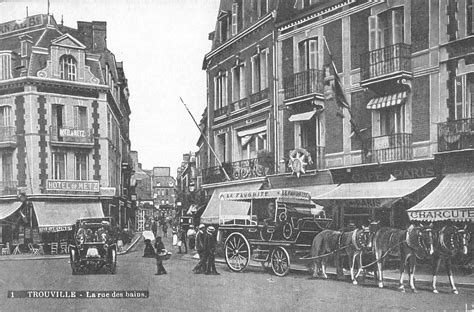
5,66
68,67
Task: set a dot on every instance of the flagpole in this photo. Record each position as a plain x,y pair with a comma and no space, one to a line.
210,147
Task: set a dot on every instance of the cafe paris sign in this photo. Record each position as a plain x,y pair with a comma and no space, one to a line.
299,159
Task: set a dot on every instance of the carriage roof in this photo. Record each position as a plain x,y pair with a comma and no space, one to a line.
290,195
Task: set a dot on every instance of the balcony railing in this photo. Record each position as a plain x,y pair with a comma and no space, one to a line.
259,96
304,83
392,147
8,188
456,135
70,135
220,111
237,105
318,157
239,170
7,135
385,61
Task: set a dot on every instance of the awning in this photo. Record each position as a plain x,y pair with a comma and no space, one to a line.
387,101
7,208
371,194
318,190
453,200
251,131
211,214
302,116
61,216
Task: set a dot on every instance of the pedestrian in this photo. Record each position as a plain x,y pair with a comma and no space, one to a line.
160,255
165,229
201,266
211,244
154,227
191,234
182,237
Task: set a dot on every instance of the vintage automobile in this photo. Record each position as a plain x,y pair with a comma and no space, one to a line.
269,226
95,246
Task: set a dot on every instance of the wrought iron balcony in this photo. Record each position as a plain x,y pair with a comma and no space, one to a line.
70,135
237,105
239,170
259,96
318,157
8,188
304,83
7,136
386,61
392,147
456,135
220,111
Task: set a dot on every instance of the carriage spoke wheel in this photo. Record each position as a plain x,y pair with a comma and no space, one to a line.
113,261
280,261
237,252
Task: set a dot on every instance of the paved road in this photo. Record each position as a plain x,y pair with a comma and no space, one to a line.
180,290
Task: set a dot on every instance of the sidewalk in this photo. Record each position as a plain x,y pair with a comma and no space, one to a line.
28,256
423,274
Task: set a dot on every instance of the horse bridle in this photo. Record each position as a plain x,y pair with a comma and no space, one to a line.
420,241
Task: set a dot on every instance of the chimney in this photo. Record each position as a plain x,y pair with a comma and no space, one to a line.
99,36
85,33
26,43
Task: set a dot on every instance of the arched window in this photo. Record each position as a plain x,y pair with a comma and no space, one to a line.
68,67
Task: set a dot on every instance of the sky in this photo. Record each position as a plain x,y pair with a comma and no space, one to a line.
162,44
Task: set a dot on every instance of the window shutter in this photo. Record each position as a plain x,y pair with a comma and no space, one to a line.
373,33
235,8
264,69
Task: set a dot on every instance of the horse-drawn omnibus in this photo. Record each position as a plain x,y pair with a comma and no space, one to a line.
268,226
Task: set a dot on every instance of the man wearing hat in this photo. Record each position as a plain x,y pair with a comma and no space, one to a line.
211,244
201,249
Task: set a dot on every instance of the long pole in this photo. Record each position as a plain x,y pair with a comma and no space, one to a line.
207,142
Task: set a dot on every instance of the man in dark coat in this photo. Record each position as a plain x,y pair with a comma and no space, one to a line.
160,249
200,247
211,244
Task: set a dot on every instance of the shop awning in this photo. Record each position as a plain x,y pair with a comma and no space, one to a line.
387,101
61,216
251,131
8,208
453,200
371,194
302,116
318,190
211,214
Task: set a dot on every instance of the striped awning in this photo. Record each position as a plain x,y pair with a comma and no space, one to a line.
302,116
387,100
452,200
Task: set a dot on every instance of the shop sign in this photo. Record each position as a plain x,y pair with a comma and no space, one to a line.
72,186
444,214
21,24
265,194
53,229
72,133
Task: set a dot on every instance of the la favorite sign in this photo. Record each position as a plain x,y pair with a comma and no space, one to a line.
73,186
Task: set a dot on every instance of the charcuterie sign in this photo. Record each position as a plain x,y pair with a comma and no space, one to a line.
265,194
442,214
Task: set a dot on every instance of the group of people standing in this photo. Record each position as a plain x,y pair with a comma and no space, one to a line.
206,244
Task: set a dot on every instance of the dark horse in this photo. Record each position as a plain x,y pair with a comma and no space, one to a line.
448,242
330,242
416,241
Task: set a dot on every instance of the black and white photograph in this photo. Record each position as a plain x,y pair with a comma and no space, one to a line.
237,155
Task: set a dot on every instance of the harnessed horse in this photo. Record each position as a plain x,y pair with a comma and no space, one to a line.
330,242
416,241
449,241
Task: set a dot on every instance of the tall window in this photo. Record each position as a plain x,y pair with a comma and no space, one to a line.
470,17
238,85
224,28
59,166
251,144
310,134
262,7
5,116
308,54
221,147
386,29
68,67
392,120
236,16
80,117
7,167
464,96
81,167
5,66
221,90
260,71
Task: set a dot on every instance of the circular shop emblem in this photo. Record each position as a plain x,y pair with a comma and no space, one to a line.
299,158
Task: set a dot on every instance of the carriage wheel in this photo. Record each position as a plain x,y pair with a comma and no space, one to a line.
73,261
237,252
113,262
280,261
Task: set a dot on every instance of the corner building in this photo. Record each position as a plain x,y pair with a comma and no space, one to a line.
64,137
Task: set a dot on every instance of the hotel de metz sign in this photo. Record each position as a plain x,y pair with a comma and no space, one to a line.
72,186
